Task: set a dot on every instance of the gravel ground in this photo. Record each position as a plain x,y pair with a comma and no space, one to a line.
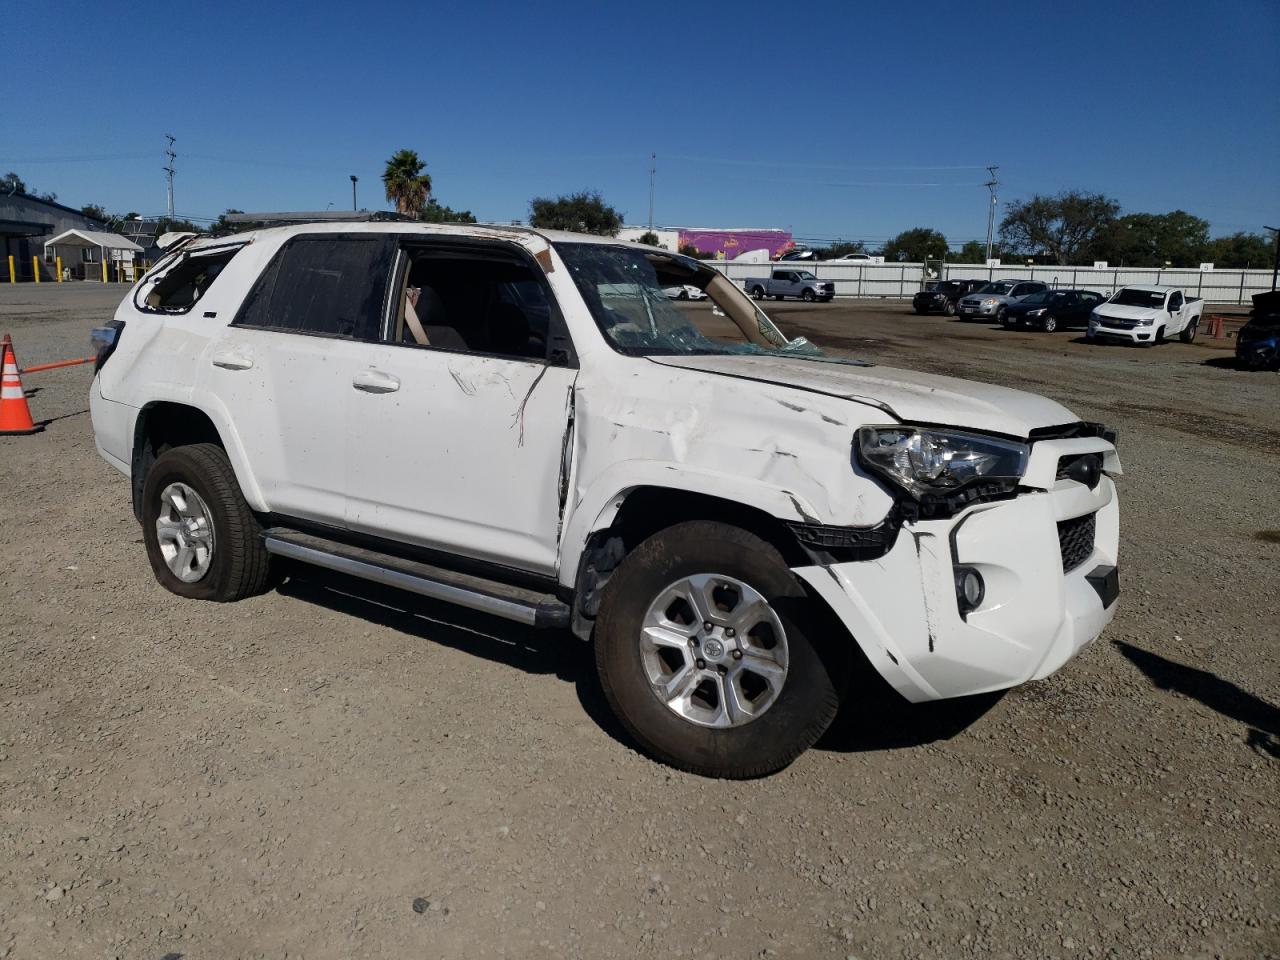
333,771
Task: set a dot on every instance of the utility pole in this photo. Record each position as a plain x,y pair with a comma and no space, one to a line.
170,156
1275,269
991,214
354,178
653,170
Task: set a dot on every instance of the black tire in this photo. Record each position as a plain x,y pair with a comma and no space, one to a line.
684,295
1001,314
240,565
1159,338
757,293
1049,324
808,699
1188,334
949,309
919,310
807,295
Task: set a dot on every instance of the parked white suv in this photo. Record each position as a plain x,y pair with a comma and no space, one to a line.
521,422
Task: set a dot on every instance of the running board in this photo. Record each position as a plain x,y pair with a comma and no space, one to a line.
475,593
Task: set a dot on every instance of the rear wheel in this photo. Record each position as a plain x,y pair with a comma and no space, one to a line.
684,295
1188,333
704,650
757,292
202,539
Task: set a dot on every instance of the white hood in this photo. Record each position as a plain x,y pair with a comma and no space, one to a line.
1121,312
908,396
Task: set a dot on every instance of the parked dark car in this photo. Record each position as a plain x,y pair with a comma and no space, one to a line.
942,296
1258,341
1051,310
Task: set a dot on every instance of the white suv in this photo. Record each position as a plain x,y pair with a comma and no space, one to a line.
521,422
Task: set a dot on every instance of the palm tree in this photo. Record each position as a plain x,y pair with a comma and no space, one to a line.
407,186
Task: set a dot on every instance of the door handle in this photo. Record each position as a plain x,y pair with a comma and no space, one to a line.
230,360
375,381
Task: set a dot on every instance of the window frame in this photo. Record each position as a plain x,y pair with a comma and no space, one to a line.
558,336
272,264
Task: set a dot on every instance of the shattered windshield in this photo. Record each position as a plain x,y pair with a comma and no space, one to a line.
625,294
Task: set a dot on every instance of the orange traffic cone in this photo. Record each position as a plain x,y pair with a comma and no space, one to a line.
15,415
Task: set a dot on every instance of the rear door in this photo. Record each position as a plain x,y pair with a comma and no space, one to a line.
283,367
460,429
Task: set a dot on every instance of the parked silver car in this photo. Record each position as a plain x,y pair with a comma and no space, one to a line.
989,302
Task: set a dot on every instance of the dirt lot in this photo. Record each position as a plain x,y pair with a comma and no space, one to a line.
329,771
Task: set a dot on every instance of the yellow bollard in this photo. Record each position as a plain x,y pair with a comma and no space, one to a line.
35,268
13,277
104,271
58,263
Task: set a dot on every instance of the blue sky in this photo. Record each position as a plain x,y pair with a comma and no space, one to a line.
853,120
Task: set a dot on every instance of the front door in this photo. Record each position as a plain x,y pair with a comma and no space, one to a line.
459,427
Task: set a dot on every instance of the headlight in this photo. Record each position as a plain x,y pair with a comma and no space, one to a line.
1147,322
1035,313
988,303
921,461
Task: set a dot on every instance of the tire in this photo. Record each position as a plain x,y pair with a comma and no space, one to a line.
949,309
684,295
757,293
1159,336
1049,324
237,565
807,295
798,709
1001,314
1188,334
918,310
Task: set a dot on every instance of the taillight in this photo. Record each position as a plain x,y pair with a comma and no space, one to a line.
104,340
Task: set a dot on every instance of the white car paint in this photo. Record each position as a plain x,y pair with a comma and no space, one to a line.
684,292
1175,313
466,456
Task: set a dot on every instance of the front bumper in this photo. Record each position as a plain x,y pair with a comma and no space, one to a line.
903,611
1098,331
962,310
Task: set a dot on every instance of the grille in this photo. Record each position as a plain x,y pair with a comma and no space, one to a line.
1075,540
1116,323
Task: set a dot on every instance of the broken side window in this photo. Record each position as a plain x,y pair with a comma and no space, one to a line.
181,286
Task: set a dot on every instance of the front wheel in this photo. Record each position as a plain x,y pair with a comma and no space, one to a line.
1001,315
949,309
202,539
684,295
1050,324
704,651
757,293
807,295
1188,333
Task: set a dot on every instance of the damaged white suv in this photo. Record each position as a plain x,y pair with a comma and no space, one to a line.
522,422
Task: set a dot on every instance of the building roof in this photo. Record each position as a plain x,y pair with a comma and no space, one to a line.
93,238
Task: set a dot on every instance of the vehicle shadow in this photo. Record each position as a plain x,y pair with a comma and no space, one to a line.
544,652
1224,363
875,717
1222,696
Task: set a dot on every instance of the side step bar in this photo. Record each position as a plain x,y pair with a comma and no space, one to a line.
475,593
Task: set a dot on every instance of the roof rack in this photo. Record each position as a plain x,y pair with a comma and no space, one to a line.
318,216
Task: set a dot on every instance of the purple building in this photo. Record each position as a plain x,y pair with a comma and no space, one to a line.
728,244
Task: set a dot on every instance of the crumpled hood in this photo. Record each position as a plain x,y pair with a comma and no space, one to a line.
1126,313
909,396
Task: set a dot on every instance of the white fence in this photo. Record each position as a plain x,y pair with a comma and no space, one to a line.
902,280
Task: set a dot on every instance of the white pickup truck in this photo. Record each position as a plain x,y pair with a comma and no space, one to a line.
520,421
1146,315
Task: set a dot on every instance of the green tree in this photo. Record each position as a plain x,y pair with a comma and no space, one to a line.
11,183
1241,251
649,238
916,245
582,212
1152,239
689,250
1065,228
406,185
975,251
222,226
841,248
439,213
94,212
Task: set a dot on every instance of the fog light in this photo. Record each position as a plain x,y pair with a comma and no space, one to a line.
970,589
